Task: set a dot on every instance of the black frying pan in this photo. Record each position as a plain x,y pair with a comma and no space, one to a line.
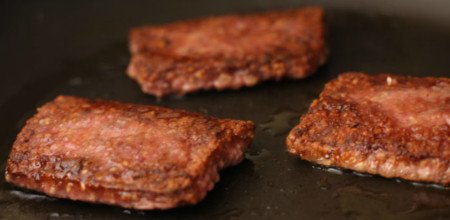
80,48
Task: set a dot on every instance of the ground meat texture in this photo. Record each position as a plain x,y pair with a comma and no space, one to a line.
227,52
135,156
394,126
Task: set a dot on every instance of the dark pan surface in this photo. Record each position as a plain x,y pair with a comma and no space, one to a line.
80,48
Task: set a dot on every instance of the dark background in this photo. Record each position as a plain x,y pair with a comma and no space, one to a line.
80,48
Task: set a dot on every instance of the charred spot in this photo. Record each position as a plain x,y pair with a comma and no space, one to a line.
299,131
231,68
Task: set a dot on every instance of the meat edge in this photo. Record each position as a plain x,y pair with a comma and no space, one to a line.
379,162
230,153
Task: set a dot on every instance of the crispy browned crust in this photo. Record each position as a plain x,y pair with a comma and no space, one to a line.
359,135
227,52
135,156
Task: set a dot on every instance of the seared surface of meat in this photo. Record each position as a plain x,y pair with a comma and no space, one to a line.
227,52
394,126
136,156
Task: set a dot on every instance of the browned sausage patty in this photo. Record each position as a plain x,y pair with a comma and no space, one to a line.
135,156
227,52
394,126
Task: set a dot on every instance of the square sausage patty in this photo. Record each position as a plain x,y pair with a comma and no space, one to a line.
135,156
227,52
393,126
